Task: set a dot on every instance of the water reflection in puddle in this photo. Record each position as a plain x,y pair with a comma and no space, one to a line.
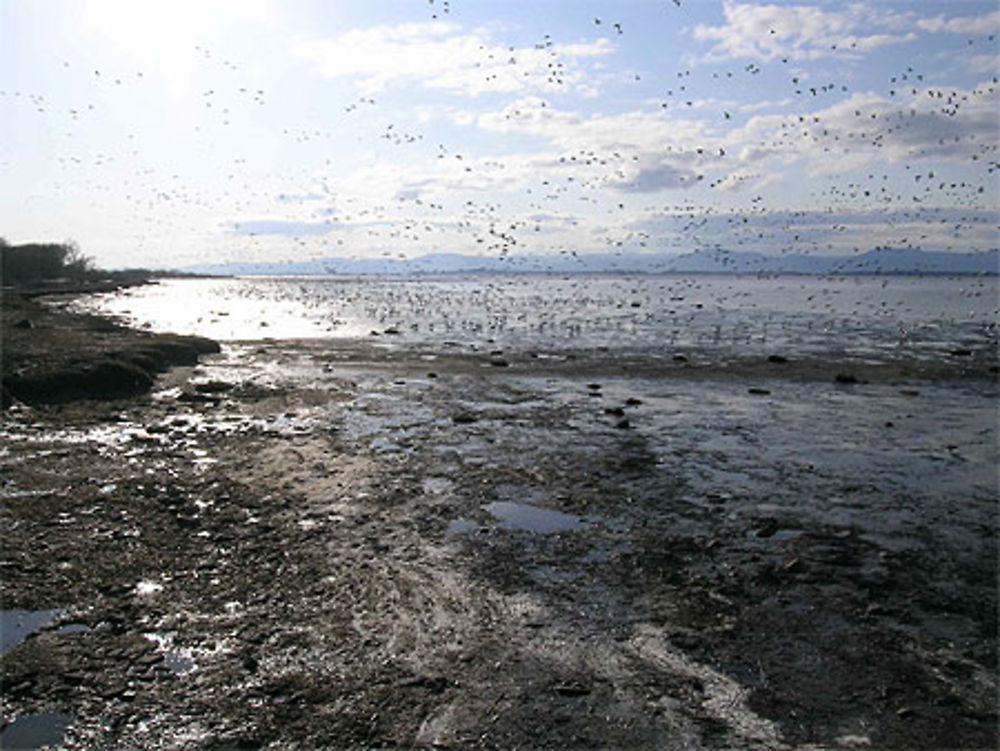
527,518
18,625
35,731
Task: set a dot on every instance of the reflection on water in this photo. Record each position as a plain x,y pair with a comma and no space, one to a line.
525,517
853,314
36,731
18,625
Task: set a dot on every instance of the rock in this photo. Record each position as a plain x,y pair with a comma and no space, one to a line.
24,323
614,411
213,387
845,378
594,386
777,359
961,352
571,688
680,358
632,402
623,425
435,685
391,331
499,362
758,391
464,418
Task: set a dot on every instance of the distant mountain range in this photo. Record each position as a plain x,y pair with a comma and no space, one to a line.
878,261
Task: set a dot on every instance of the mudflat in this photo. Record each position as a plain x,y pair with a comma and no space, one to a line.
293,545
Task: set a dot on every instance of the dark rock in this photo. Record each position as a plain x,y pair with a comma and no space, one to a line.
499,362
614,411
632,402
213,387
24,323
845,378
777,359
435,685
758,391
680,358
961,352
623,425
571,689
391,331
464,418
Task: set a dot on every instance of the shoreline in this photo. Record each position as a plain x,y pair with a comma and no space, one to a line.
354,547
51,356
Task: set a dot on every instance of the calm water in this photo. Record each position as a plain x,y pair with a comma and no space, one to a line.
869,315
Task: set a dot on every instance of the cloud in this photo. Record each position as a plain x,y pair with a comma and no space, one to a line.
985,24
441,56
803,32
282,227
983,63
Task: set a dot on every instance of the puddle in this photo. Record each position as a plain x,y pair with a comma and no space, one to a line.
177,663
35,731
18,625
521,516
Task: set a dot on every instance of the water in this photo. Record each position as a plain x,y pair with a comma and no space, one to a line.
35,731
863,316
18,625
528,518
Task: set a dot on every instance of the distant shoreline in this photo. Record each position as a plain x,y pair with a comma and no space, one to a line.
879,262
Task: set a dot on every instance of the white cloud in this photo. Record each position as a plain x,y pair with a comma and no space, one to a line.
440,55
984,24
769,32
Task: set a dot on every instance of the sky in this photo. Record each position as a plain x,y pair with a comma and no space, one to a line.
176,133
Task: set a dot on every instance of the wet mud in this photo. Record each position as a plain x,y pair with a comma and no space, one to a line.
294,545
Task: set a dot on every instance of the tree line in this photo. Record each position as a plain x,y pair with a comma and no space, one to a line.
37,262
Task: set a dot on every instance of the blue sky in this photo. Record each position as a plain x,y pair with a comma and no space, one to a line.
182,132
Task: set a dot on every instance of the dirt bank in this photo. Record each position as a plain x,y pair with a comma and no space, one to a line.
50,356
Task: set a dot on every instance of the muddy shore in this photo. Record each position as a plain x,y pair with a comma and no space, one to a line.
379,547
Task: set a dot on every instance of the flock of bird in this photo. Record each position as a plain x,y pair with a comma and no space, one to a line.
609,177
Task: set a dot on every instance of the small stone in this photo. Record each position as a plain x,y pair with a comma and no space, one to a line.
571,689
614,411
961,352
464,418
680,358
758,391
845,378
777,359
